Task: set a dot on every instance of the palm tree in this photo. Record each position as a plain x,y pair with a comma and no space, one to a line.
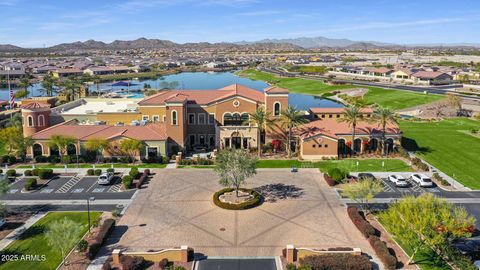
291,118
352,117
384,116
97,145
24,84
48,84
261,119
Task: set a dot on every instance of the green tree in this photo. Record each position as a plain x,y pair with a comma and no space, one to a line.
352,117
9,137
263,121
23,84
384,116
15,121
97,145
234,166
49,83
63,234
131,147
455,102
363,192
61,143
427,222
291,118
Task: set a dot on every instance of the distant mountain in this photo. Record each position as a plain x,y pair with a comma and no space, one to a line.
9,47
141,43
319,42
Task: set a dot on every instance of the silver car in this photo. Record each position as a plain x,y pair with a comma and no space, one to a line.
105,178
422,180
398,180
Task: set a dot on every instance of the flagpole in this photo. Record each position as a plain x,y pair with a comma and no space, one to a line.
11,93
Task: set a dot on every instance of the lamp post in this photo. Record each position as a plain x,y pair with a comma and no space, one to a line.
88,211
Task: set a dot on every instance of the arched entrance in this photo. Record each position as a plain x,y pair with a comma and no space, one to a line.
37,150
389,146
54,151
71,150
342,148
236,140
357,146
373,145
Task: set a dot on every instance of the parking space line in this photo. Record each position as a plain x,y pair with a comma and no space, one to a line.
115,187
94,183
386,186
77,190
46,190
68,185
13,190
98,190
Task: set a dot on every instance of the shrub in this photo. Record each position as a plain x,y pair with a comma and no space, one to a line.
419,164
337,174
30,183
27,173
381,249
11,173
343,261
291,266
246,205
106,228
82,245
35,172
110,170
41,159
329,180
66,159
132,262
53,159
45,173
442,181
1,171
90,172
98,172
9,159
133,172
163,264
165,160
127,181
115,212
362,225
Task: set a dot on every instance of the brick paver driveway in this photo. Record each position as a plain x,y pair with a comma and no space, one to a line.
177,209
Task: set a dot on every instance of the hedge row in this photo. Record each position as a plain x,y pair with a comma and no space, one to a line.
127,181
200,161
344,261
246,205
30,183
96,172
105,230
381,249
142,179
362,225
419,164
42,173
8,159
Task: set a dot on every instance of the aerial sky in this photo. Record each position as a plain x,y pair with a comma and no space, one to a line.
34,23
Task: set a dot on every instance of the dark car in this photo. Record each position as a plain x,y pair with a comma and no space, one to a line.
468,246
366,176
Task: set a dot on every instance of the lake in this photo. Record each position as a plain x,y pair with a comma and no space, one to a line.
201,81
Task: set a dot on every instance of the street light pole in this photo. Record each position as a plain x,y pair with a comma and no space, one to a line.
88,211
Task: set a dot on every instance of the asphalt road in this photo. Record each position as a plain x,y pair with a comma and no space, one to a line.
237,264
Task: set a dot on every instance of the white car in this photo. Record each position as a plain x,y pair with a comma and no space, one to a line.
422,180
398,180
105,178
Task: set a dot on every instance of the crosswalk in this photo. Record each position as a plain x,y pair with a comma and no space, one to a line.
69,184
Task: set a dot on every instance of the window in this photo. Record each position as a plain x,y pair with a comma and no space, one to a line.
164,118
338,115
152,151
174,118
326,145
191,119
323,115
235,119
314,145
211,119
201,119
191,139
41,120
211,140
30,121
277,108
201,139
330,116
145,117
156,118
227,142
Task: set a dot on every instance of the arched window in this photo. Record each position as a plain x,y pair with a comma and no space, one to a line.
30,121
235,119
227,118
277,108
174,118
37,150
41,120
245,118
71,149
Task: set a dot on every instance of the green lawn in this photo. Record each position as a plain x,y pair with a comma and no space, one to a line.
99,166
447,146
364,165
394,99
33,242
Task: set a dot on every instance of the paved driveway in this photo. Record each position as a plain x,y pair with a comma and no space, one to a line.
177,209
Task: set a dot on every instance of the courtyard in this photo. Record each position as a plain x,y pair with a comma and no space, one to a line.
177,209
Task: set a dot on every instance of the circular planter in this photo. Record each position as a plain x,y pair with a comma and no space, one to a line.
255,201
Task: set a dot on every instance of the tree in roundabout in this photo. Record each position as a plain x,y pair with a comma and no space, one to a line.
234,167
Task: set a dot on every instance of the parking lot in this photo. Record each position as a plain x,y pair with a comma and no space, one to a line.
69,186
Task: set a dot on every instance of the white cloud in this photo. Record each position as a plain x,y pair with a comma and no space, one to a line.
8,2
261,13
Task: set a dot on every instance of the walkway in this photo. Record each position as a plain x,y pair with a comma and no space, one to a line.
14,235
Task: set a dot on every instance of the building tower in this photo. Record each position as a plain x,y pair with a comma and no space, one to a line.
36,117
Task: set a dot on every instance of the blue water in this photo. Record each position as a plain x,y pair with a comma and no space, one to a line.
200,81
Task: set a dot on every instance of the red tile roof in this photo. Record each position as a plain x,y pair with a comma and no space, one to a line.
149,132
35,105
276,90
332,128
204,97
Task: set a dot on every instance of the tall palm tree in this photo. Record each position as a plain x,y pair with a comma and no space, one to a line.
24,84
352,117
292,118
49,82
262,119
384,116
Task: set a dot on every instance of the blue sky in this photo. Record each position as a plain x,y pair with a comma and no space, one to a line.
34,23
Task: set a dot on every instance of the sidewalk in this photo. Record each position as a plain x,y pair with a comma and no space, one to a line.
18,231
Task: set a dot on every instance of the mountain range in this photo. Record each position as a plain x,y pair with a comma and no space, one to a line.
282,44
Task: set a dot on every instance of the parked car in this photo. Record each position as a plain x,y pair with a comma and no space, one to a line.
398,180
365,176
468,246
294,169
2,222
422,180
105,178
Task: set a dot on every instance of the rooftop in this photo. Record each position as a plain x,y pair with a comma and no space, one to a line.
94,106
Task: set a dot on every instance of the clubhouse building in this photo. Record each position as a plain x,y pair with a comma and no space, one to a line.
184,120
